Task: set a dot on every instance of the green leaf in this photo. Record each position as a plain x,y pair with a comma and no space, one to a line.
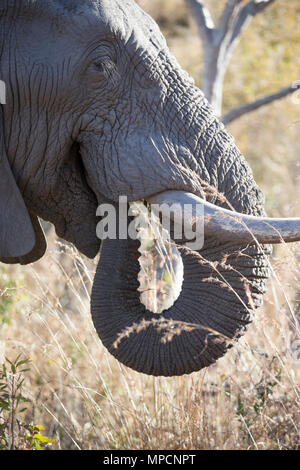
45,439
25,361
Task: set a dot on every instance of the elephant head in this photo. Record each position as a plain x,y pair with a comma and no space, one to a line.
98,108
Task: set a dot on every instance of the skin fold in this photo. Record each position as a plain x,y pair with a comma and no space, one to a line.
97,108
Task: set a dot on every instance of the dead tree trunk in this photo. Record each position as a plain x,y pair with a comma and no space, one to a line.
219,43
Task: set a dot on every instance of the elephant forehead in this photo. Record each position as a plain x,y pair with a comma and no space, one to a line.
87,20
121,17
127,21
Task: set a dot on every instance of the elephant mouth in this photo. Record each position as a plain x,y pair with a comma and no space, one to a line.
77,223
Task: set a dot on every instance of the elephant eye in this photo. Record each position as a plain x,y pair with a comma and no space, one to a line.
104,71
100,66
106,67
107,70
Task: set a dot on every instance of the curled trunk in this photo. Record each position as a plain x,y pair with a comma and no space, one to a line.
221,288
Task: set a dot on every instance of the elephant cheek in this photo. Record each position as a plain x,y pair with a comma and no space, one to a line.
212,311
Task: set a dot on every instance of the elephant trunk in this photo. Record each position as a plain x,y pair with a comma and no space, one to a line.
213,309
223,282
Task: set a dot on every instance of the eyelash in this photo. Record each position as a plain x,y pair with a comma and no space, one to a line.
108,69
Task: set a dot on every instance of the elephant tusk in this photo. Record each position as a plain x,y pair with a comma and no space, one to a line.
225,224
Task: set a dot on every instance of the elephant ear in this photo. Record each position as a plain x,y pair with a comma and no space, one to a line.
21,238
37,252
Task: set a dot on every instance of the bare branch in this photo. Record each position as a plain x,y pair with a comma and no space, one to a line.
249,107
227,18
247,13
203,18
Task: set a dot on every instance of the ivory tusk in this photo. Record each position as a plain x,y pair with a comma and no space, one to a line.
226,224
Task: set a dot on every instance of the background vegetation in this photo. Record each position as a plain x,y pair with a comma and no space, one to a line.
79,394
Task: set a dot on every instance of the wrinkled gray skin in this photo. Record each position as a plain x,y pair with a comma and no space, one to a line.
97,107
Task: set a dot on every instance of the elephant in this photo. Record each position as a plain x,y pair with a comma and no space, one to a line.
98,108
